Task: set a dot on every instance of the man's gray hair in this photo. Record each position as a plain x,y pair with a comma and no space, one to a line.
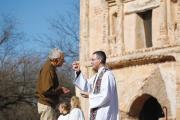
55,53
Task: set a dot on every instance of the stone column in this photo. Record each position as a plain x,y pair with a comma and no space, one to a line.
106,29
116,40
84,30
84,48
177,39
171,13
120,32
177,24
177,66
163,38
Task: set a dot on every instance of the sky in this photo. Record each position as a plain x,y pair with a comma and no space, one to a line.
33,15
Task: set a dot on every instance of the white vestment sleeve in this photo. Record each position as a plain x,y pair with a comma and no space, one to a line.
83,84
102,98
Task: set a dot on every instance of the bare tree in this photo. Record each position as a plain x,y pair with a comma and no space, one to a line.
18,87
7,27
66,30
17,74
10,37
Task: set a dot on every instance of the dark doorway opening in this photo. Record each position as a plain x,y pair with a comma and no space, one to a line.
147,21
151,110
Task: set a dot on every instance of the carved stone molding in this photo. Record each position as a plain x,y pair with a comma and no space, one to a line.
125,1
140,6
141,61
144,57
174,1
111,2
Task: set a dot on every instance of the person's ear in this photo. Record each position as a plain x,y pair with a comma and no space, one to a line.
99,60
56,61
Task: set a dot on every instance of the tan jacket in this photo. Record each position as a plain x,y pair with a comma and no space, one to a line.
47,85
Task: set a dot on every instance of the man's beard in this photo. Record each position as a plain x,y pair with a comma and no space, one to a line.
94,70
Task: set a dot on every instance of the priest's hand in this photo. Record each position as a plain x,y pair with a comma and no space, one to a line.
62,90
85,94
65,90
76,66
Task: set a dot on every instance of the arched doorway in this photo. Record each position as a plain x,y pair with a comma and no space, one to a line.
151,110
146,107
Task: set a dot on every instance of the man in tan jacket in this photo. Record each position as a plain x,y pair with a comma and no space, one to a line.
48,89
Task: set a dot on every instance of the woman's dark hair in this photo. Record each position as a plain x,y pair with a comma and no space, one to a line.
65,105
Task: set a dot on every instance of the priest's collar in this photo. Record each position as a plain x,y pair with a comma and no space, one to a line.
100,69
64,114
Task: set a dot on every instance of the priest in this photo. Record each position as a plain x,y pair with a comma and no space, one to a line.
103,100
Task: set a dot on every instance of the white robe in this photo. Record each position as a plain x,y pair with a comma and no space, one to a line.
106,100
76,114
63,117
